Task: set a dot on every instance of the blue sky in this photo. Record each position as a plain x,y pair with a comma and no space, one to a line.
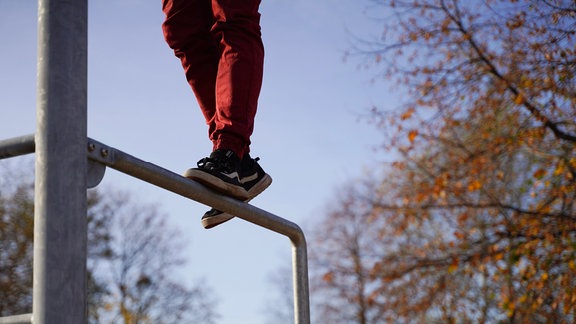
307,131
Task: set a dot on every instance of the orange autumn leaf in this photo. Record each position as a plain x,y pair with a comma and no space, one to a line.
559,169
539,174
412,135
407,114
452,268
474,185
328,277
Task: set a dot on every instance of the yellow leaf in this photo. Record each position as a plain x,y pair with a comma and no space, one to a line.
498,256
523,298
559,169
453,265
519,99
475,185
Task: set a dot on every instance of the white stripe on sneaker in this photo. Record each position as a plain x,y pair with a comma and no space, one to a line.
231,175
249,178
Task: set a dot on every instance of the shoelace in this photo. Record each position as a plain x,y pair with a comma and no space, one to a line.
202,162
215,164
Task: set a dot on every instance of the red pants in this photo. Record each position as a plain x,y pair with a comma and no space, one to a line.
220,46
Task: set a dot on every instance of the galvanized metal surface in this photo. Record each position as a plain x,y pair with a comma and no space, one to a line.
17,319
60,228
173,182
16,146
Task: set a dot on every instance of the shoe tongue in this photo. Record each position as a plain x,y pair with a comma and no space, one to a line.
219,154
224,155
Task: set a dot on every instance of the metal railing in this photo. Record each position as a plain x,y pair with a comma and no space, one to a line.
168,180
63,172
104,155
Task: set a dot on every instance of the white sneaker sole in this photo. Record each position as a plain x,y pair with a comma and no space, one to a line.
257,189
217,184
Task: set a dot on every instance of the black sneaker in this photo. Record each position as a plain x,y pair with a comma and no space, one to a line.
253,179
220,172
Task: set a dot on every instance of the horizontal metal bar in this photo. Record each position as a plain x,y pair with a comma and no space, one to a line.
168,180
17,319
180,185
17,146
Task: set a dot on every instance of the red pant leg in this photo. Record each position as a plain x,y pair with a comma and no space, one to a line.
187,31
221,50
237,29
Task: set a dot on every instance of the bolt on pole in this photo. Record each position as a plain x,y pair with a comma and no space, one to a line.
60,230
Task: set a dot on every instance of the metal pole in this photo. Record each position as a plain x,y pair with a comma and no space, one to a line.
300,280
59,286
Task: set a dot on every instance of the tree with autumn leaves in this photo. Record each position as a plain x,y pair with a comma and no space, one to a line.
475,221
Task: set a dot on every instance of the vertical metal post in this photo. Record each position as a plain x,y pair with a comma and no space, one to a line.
300,280
60,194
